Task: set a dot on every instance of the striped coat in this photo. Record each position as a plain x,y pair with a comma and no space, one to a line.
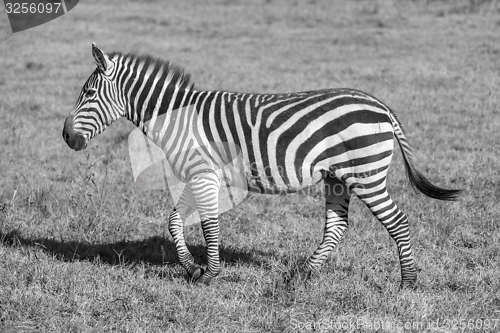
283,143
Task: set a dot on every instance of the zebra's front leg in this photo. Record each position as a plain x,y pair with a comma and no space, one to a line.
210,228
337,197
176,229
205,189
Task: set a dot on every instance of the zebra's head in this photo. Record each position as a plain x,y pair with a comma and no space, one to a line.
98,104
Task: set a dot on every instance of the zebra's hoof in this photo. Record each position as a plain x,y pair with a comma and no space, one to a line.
204,279
408,285
195,272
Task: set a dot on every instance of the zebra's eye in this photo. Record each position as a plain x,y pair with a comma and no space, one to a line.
90,93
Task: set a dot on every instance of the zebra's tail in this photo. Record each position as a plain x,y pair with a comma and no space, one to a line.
417,178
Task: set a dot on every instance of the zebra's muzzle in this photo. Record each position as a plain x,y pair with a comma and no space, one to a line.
74,140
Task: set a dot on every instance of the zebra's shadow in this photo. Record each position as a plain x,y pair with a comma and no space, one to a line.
156,252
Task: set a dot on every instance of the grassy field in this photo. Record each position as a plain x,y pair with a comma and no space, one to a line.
82,249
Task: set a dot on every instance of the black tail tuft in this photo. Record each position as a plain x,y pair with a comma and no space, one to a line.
417,178
418,181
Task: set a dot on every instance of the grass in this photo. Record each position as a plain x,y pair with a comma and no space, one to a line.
84,250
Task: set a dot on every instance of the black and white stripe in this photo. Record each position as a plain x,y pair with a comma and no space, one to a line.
288,142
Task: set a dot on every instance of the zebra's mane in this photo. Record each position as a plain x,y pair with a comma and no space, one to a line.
179,77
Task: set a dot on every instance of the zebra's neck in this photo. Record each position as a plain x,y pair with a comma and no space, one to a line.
149,88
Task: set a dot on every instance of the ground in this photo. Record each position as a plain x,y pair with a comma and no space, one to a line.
83,249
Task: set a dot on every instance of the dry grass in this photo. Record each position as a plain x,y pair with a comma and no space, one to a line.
83,250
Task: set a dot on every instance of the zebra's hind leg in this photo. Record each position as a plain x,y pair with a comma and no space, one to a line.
337,197
394,220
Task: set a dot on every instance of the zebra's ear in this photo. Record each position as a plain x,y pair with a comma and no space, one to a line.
101,59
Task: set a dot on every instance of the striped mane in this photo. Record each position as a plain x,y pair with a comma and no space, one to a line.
179,76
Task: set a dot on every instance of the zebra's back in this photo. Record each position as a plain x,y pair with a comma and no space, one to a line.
289,141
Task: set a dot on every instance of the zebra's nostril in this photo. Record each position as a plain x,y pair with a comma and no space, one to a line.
66,137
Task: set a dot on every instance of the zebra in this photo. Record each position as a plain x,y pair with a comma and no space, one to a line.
288,142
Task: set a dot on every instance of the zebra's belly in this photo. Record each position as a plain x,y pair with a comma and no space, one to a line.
269,185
